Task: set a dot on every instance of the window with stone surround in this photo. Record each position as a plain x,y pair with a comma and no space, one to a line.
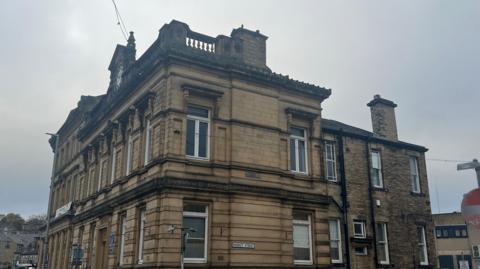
298,150
102,175
382,243
129,154
414,176
198,132
141,234
330,163
302,238
376,170
422,246
195,216
122,228
359,229
148,142
335,241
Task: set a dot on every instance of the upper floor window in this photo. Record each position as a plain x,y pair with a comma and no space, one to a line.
422,245
198,132
114,164
102,174
382,243
129,154
414,178
195,216
335,241
298,150
451,231
376,173
359,229
302,234
148,142
330,161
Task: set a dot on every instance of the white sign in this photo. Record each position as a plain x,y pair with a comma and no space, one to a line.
463,264
62,210
243,245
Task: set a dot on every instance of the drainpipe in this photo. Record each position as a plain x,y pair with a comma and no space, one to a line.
343,180
372,206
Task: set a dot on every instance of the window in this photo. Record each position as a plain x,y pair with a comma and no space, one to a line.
114,164
451,231
376,172
361,251
302,247
141,235
195,216
422,245
129,154
414,178
330,161
198,132
298,152
359,229
123,222
382,244
148,142
102,174
335,241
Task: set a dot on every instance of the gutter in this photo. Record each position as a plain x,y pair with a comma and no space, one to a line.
345,205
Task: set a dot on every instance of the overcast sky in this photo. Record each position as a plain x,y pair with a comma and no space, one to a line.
424,55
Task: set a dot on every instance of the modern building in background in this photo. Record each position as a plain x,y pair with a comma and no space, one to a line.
456,242
199,135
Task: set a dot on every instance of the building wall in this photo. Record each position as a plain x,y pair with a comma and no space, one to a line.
246,182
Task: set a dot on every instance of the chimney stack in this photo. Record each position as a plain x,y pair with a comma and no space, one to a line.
383,117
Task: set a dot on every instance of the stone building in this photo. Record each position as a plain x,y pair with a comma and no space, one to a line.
456,241
199,134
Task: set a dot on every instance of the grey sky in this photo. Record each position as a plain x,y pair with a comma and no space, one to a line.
424,55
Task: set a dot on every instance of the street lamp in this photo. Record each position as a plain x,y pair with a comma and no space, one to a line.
185,234
45,261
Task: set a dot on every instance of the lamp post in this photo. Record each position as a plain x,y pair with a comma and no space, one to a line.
185,234
45,260
474,164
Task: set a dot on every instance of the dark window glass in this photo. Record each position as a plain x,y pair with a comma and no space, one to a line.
195,208
293,162
297,131
197,111
446,261
195,247
190,137
202,139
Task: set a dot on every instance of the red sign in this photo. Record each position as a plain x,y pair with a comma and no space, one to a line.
471,207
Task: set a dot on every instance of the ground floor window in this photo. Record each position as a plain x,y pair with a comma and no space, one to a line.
382,244
335,241
195,220
302,234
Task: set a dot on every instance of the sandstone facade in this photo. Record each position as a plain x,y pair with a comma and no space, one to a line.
199,132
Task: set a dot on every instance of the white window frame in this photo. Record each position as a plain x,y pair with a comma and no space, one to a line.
384,243
414,175
330,145
123,226
114,164
336,223
379,169
141,235
203,215
307,223
362,225
129,154
297,159
196,146
422,242
148,143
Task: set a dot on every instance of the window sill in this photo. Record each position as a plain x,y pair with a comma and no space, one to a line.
418,194
380,189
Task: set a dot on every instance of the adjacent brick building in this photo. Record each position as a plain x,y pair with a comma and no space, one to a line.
198,133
